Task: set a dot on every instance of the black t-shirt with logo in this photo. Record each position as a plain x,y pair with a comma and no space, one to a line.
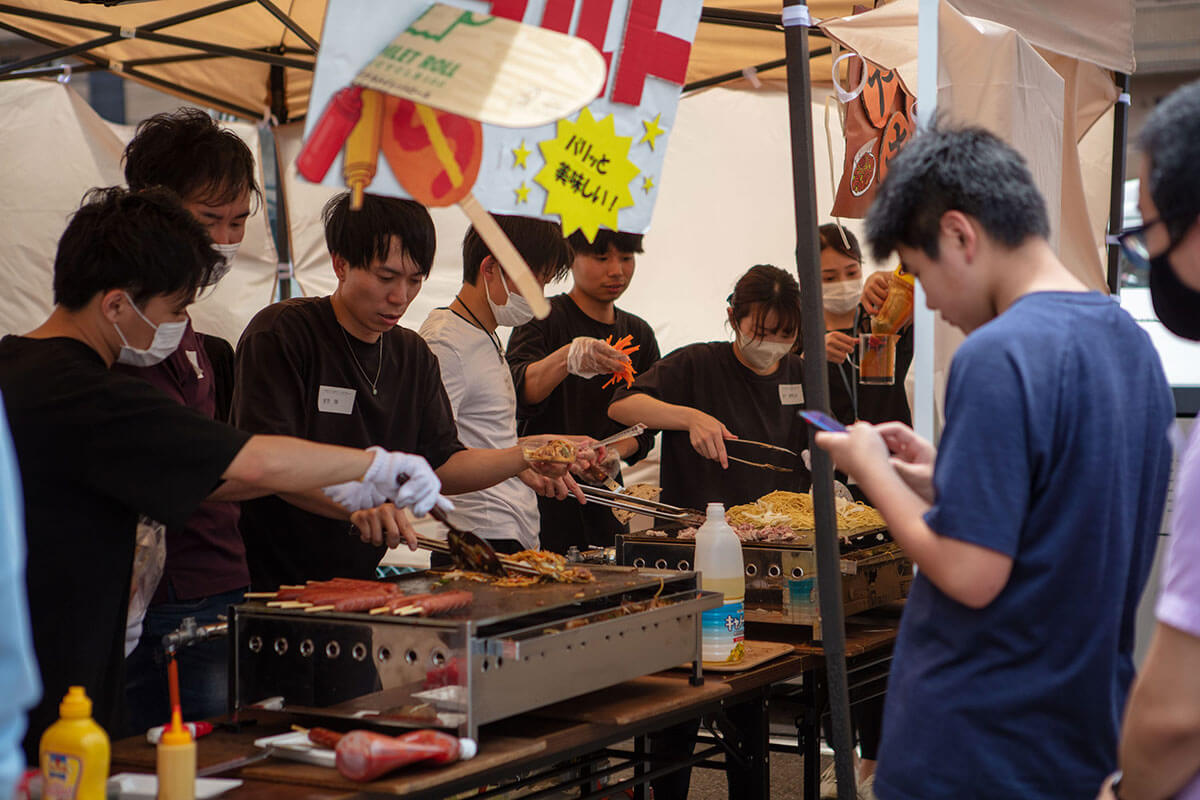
707,376
300,374
95,450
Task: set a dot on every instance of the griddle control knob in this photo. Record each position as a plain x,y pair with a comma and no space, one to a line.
639,562
752,569
797,573
773,571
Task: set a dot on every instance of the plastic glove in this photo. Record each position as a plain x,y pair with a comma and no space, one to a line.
407,480
588,357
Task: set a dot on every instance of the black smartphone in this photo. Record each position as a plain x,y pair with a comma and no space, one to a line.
822,421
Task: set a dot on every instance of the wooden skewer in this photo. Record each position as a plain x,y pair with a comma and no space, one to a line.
292,585
380,610
260,595
287,604
314,609
299,729
406,611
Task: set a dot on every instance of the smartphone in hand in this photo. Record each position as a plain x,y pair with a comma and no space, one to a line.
822,421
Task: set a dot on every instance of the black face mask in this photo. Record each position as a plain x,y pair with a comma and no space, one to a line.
1176,304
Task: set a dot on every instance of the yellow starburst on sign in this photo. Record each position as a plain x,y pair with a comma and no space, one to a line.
587,174
520,153
653,131
522,193
647,184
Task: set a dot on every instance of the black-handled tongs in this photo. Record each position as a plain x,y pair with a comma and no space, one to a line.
651,508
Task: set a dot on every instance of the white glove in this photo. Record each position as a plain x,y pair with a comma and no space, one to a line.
407,480
355,495
590,357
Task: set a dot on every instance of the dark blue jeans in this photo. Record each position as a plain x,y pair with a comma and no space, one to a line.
203,668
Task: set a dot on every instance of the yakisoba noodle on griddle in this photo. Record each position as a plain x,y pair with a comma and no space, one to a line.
795,510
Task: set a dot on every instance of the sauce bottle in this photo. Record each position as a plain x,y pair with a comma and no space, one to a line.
74,752
365,755
176,761
719,560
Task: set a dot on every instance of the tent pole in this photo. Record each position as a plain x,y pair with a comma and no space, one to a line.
924,321
290,24
816,389
1116,197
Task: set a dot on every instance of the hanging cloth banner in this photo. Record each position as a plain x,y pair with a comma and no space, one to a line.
596,167
880,119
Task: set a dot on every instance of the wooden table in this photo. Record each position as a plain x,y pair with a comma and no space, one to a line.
532,745
870,639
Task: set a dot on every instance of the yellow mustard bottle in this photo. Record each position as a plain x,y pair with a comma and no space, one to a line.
176,761
74,752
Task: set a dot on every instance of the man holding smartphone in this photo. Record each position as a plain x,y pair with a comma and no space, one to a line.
1015,651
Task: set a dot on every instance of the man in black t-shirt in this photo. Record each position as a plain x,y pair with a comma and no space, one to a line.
561,364
339,369
96,448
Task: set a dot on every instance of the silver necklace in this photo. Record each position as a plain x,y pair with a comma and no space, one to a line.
378,368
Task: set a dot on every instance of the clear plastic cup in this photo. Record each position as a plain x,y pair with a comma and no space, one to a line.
877,359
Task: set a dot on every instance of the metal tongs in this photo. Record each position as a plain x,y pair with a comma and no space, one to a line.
469,551
652,508
765,446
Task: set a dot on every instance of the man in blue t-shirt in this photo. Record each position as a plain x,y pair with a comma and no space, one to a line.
1034,527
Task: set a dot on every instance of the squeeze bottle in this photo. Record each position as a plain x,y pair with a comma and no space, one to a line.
74,752
366,755
719,560
176,761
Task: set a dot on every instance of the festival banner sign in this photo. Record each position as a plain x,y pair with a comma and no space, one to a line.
467,107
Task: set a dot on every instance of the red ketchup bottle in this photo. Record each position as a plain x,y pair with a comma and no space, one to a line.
330,133
365,756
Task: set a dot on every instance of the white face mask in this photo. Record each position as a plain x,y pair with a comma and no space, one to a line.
760,354
227,251
515,311
166,340
841,297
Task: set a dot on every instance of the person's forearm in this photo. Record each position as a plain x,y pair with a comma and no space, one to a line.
1160,740
286,464
953,566
626,447
314,501
479,468
543,377
651,411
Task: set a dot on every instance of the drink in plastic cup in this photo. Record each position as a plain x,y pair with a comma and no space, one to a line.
877,359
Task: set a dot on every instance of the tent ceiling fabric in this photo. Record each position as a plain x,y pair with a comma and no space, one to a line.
233,84
1077,28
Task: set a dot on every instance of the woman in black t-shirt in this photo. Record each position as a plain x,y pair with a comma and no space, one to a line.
848,304
706,395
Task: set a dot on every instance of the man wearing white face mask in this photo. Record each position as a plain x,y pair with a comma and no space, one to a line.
204,570
478,381
96,448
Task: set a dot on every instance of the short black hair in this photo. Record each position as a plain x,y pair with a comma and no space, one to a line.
763,289
964,169
540,242
1170,140
623,242
187,152
143,242
831,239
364,236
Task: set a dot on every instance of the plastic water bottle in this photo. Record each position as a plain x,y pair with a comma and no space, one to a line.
719,560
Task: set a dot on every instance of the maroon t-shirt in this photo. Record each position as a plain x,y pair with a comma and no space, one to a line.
206,556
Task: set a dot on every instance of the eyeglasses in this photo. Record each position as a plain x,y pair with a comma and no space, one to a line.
1133,243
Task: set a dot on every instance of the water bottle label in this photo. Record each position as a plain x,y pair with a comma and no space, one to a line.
722,632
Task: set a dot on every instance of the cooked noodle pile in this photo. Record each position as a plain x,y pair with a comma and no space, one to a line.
794,510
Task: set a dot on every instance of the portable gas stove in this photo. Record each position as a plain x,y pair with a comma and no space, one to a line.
781,578
513,650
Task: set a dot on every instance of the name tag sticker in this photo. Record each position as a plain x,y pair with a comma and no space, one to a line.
335,400
791,394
